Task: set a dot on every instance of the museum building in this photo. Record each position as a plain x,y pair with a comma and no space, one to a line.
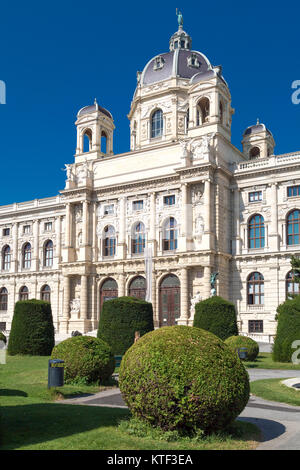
156,222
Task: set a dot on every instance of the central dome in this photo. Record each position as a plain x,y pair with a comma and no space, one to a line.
181,63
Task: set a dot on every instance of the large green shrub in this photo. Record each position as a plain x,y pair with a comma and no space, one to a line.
216,315
180,377
32,330
235,342
288,330
86,358
121,318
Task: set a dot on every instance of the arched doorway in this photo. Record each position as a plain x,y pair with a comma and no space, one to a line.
109,290
169,300
137,287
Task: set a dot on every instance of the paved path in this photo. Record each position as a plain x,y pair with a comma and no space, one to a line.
279,423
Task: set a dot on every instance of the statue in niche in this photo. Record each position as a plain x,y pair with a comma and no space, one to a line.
75,306
199,227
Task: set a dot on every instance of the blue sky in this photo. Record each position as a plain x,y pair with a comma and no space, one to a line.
57,56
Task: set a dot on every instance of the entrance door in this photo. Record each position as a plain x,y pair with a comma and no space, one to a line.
169,296
109,290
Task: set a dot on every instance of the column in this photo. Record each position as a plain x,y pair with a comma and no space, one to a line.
155,303
15,247
84,297
121,242
94,243
85,223
273,233
184,217
206,281
207,215
66,305
68,226
36,226
121,285
184,300
152,232
58,238
236,229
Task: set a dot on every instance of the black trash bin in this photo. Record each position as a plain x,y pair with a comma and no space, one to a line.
55,373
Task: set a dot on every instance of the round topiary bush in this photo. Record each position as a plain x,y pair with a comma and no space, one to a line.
180,377
216,315
32,330
121,318
86,358
288,330
235,342
3,337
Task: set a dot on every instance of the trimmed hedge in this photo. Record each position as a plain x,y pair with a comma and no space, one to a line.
288,330
86,358
3,337
218,316
121,318
32,330
235,342
180,377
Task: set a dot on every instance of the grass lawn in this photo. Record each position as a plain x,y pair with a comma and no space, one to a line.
274,390
264,361
30,418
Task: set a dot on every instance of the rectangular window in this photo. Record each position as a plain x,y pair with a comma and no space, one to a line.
2,326
6,232
109,209
48,226
255,196
255,326
169,200
293,191
26,229
137,205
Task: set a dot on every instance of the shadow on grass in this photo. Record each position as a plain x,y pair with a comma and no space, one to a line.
28,425
270,429
253,364
6,392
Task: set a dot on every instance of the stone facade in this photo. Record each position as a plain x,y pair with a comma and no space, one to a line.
180,202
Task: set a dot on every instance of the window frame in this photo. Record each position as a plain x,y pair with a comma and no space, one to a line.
255,323
157,124
260,292
294,222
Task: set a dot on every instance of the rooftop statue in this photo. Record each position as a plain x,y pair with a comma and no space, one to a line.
179,17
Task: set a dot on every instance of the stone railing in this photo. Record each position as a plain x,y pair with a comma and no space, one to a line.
19,206
273,161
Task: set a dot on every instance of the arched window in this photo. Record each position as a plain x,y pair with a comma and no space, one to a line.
137,287
27,256
23,293
138,238
291,287
293,223
254,153
46,293
87,141
3,298
6,258
109,290
170,235
255,289
256,232
187,119
203,107
103,142
157,124
109,241
48,254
